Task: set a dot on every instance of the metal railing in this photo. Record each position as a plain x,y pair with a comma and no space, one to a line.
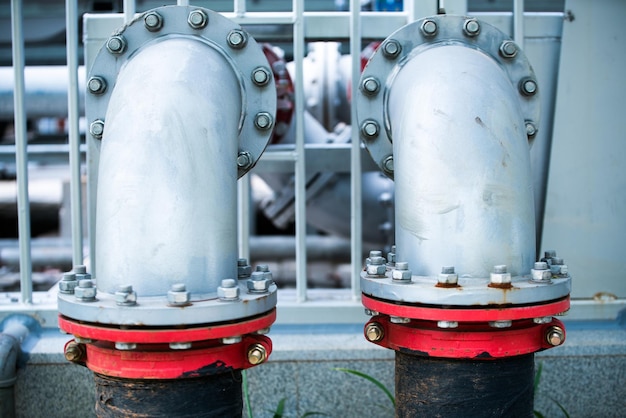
302,305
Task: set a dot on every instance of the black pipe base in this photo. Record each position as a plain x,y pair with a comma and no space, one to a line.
437,387
203,397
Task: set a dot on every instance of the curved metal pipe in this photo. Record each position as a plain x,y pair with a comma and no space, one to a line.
461,165
168,154
15,331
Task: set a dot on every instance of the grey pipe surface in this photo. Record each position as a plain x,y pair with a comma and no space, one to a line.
15,331
168,157
464,194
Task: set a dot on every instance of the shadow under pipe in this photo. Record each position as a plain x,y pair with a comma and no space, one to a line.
181,102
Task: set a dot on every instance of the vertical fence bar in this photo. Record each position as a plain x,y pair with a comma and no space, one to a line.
243,218
518,22
183,2
356,213
129,10
239,7
300,168
21,156
71,23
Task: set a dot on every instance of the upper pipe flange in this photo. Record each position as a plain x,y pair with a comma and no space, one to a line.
395,283
258,93
435,32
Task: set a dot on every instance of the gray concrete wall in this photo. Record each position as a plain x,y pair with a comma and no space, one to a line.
587,375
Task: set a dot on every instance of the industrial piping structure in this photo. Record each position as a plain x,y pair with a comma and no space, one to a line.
181,102
447,107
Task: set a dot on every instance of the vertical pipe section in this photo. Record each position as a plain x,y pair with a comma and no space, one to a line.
356,213
436,387
518,22
300,167
168,173
462,171
21,156
71,22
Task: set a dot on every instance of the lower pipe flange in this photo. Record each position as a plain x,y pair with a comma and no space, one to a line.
153,353
478,341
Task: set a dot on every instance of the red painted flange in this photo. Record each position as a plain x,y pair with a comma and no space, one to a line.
155,336
152,357
467,314
469,340
160,362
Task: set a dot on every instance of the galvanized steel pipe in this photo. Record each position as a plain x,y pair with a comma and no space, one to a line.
180,104
448,107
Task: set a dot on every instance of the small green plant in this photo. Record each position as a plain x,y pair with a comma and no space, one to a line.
373,380
280,408
536,389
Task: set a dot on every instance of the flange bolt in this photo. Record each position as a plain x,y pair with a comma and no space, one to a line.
374,332
257,354
96,128
197,19
370,129
429,28
263,121
531,129
116,44
391,49
96,85
74,352
528,87
508,49
153,21
261,76
388,165
471,27
237,39
370,86
555,335
244,159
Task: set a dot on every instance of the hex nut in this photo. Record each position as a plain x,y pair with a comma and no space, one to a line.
180,346
125,346
399,320
153,21
96,85
85,291
500,324
370,129
429,28
228,290
370,86
508,49
197,19
243,268
374,332
116,44
471,27
531,129
261,76
401,272
263,121
257,354
555,335
448,276
541,273
237,39
68,283
74,352
244,159
232,340
500,276
528,87
391,49
447,324
178,295
125,296
388,166
259,286
96,128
